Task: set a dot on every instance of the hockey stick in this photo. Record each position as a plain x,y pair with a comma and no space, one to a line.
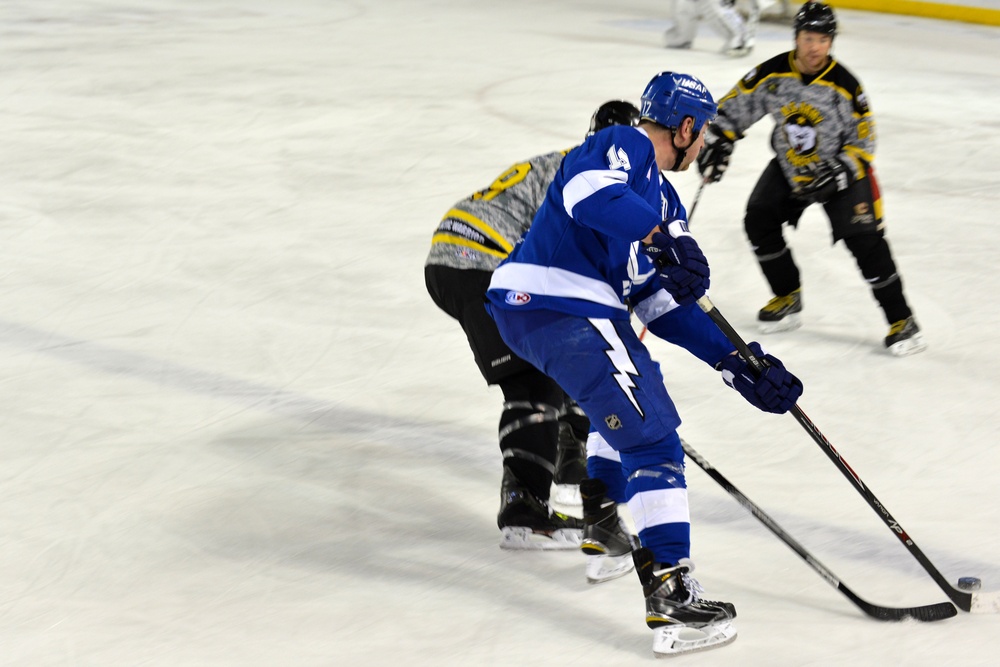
697,198
964,600
931,612
694,205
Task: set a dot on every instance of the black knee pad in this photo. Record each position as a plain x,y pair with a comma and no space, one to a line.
529,429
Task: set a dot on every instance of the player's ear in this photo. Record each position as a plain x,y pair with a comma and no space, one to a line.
687,130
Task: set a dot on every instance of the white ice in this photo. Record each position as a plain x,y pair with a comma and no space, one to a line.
236,431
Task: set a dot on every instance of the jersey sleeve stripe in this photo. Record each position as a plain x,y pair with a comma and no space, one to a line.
587,183
481,226
660,303
458,240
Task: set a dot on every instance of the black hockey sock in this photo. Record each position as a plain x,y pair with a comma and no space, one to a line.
529,433
780,271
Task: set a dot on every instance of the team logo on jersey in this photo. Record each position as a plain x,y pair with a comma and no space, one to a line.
517,298
862,215
799,126
613,422
635,276
618,158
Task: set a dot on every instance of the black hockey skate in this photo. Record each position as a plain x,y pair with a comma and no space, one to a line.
905,338
605,539
571,467
527,522
682,621
781,313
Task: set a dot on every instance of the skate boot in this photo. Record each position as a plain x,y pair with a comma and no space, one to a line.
605,540
571,467
781,313
905,338
681,620
527,522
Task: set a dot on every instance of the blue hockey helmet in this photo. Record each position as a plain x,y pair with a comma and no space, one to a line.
670,97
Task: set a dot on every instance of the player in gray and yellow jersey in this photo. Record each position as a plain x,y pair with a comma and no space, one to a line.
541,429
824,144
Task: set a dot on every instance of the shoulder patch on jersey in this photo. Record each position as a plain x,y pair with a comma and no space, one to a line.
861,102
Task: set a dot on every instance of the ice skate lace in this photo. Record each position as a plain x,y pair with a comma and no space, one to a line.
693,588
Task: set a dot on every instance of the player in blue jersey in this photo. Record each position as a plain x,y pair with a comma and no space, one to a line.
611,236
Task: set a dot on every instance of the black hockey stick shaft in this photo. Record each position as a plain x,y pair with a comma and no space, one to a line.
962,599
931,612
697,198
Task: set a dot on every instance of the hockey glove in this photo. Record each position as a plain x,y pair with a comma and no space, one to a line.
775,390
682,269
714,157
828,178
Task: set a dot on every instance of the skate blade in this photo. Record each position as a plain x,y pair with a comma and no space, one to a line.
566,494
606,568
517,538
672,640
787,323
905,348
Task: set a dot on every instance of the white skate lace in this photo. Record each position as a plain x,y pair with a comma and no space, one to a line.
693,588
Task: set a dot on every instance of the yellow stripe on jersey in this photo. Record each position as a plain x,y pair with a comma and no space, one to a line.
481,226
458,240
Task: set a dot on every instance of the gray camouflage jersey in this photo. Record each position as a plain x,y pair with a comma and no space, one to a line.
825,118
479,231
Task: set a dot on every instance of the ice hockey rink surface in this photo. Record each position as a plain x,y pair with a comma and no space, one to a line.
236,431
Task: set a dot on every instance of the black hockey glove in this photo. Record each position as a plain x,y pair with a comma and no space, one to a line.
775,390
828,178
714,157
682,269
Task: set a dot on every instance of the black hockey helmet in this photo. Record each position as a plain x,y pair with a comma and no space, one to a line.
615,112
816,17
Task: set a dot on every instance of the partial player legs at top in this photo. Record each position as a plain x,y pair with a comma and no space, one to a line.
739,32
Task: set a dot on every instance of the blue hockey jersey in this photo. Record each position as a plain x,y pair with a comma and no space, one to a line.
582,254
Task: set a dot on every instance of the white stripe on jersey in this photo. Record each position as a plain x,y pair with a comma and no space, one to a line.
599,447
587,183
553,281
658,304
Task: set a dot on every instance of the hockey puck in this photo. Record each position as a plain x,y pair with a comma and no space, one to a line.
970,583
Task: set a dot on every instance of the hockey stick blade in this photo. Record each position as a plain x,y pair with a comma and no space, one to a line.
928,613
971,602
